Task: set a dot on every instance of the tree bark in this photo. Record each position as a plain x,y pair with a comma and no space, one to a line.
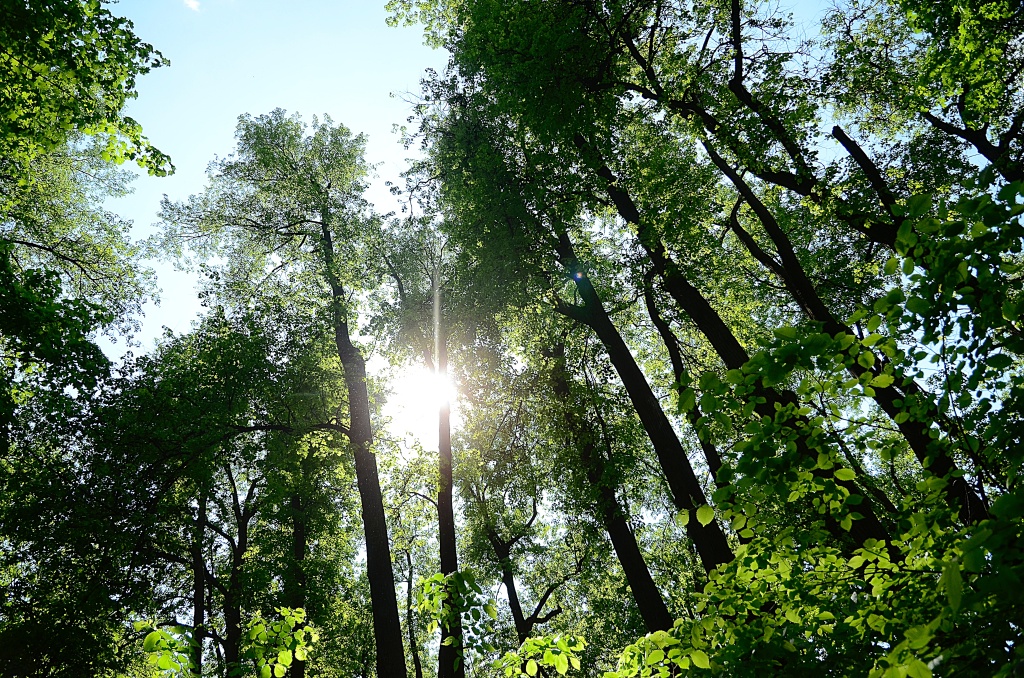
295,585
725,343
199,587
387,627
649,600
450,663
788,268
410,620
687,492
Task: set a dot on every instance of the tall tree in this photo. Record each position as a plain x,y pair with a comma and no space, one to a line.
290,203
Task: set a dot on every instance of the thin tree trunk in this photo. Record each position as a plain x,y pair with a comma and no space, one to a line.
711,455
450,663
199,587
788,268
387,628
729,349
295,585
232,592
410,620
687,492
648,598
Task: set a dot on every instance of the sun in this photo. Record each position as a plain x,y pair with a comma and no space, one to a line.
417,395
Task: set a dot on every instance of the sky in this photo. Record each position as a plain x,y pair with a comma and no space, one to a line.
314,57
234,57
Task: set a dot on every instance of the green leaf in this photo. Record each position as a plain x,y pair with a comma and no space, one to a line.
531,667
882,381
999,361
655,656
786,333
845,474
705,514
152,638
265,671
280,670
918,669
284,657
683,518
700,659
918,305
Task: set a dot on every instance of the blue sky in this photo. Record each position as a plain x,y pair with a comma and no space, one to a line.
230,57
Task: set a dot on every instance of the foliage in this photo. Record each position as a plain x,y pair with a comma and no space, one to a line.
274,645
271,646
67,66
445,597
549,651
742,394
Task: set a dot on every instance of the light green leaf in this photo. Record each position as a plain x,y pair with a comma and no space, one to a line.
882,380
918,669
152,638
705,514
700,659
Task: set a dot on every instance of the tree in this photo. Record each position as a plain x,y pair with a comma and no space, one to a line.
290,202
687,132
69,66
418,262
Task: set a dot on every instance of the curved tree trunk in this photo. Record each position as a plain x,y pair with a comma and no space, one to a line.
687,492
387,628
649,600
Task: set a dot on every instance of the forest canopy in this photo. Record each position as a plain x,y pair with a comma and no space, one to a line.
731,311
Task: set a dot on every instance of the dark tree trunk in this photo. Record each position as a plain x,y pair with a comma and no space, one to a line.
295,584
728,348
711,455
687,492
232,592
199,587
410,620
648,598
789,269
387,628
450,663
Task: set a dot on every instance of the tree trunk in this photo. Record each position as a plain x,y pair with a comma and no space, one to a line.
450,662
387,628
788,268
687,492
410,620
232,592
728,348
198,587
295,585
648,598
